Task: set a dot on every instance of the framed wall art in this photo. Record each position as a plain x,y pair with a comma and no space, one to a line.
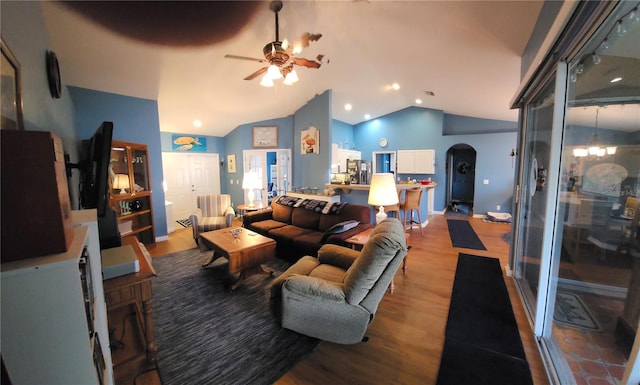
310,141
264,136
231,163
11,91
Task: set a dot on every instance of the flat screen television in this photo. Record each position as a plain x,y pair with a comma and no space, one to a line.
94,193
94,190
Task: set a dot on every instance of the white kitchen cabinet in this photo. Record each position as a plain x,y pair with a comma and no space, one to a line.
54,326
416,161
339,158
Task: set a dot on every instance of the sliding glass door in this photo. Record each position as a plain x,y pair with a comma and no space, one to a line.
534,195
577,243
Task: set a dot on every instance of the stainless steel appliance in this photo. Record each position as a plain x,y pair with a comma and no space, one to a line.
359,171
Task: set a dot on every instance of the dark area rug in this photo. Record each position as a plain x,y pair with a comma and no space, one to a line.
463,236
482,341
207,335
184,222
572,311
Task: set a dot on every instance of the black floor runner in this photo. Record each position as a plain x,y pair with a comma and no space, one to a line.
463,236
482,342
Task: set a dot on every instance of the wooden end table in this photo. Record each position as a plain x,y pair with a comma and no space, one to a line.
358,241
244,208
246,252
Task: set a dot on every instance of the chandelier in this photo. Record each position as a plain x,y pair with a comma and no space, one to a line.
594,149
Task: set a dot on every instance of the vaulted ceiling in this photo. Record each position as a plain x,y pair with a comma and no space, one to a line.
467,53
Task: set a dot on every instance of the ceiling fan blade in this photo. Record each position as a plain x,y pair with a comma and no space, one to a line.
303,42
244,58
306,62
256,74
308,37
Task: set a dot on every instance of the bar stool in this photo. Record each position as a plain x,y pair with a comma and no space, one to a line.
411,203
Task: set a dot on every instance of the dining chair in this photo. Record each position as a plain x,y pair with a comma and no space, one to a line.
412,203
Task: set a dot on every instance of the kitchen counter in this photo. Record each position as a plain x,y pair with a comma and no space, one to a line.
346,188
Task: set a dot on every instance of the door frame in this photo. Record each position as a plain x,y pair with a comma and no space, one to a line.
450,167
283,179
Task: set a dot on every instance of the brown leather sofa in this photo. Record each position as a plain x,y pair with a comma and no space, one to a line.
301,226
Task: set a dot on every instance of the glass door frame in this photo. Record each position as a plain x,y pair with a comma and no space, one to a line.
578,27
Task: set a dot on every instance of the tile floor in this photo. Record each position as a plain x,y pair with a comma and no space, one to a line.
593,356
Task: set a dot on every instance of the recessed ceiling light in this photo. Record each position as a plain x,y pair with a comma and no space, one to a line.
197,123
395,86
615,80
418,101
348,107
367,116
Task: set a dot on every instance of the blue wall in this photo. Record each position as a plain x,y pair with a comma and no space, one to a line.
312,170
24,32
240,139
134,120
342,134
422,128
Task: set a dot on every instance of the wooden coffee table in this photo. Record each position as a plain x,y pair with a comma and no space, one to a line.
246,252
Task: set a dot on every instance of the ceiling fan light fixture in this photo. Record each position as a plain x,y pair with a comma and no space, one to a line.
291,78
274,72
266,81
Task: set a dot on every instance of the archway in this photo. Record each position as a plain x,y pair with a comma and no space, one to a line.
461,177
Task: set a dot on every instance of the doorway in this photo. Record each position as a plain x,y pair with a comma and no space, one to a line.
461,178
273,167
187,176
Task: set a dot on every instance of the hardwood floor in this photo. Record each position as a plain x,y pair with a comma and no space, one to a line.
407,335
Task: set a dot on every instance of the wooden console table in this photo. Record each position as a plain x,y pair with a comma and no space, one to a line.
129,310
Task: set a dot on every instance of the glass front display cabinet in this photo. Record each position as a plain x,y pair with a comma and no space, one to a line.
130,190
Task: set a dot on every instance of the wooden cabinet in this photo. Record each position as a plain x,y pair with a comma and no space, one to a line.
130,190
128,300
416,161
53,316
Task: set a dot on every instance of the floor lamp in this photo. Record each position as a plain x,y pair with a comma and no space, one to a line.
382,192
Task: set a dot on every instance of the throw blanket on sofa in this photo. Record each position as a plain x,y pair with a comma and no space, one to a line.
329,208
288,201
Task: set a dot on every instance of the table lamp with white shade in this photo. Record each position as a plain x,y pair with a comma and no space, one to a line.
382,192
250,182
121,182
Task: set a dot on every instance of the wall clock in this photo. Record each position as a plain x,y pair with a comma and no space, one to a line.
53,75
265,136
383,142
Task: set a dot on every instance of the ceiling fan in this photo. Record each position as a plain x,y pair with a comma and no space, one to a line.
279,55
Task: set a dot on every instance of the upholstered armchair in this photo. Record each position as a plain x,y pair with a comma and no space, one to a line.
214,212
334,297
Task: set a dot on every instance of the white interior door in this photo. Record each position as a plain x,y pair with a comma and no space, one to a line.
175,168
188,175
205,173
283,171
256,162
